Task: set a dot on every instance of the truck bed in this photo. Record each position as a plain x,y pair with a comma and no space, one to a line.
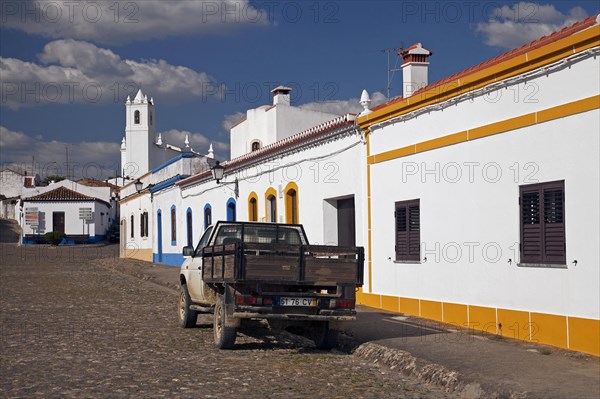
318,265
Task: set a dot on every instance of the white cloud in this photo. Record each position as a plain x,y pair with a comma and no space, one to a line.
510,27
233,119
111,21
342,107
95,159
73,71
198,142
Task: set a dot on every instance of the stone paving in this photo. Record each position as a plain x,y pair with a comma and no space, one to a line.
73,326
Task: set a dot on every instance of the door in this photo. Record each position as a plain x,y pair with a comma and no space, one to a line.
58,222
159,236
346,222
196,286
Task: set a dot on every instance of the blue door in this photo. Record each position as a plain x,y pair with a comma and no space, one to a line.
159,236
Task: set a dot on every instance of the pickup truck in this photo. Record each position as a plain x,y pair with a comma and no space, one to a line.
242,271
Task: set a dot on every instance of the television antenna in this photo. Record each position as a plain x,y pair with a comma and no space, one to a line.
391,71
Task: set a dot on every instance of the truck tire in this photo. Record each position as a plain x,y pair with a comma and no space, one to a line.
323,336
187,317
224,336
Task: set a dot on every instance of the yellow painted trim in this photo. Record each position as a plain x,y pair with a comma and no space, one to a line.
270,191
251,196
536,58
409,306
441,142
583,334
559,111
549,329
390,303
369,220
431,310
288,207
141,254
455,313
482,318
513,324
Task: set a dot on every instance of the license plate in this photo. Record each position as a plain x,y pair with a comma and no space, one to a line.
288,301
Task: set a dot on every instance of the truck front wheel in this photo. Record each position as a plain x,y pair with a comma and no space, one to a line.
323,336
187,317
224,336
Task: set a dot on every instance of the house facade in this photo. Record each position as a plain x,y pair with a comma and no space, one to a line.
483,194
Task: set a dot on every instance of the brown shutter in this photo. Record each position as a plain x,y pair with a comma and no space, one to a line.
408,230
543,223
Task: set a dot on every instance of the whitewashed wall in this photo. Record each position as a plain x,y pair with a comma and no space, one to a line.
482,209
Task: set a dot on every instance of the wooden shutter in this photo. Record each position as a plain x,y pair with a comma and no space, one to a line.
543,223
408,230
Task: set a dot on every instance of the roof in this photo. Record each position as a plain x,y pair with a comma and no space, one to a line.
96,183
61,194
543,41
11,170
306,135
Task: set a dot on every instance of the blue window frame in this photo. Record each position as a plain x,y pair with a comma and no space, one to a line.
207,215
231,210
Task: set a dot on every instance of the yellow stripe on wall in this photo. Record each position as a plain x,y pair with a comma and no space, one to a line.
574,333
560,111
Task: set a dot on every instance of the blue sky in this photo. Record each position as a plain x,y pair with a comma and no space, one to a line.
67,67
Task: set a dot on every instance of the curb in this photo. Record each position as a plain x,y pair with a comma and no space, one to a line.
432,373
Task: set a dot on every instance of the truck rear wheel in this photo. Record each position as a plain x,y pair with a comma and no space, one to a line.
224,336
187,317
323,336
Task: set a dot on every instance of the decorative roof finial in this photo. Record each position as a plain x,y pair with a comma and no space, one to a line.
159,141
152,100
128,100
123,145
186,141
211,153
365,101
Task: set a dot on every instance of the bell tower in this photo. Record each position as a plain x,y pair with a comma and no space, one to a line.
139,135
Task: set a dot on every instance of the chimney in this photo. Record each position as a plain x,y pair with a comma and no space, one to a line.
415,62
281,95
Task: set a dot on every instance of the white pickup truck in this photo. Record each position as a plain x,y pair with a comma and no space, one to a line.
247,270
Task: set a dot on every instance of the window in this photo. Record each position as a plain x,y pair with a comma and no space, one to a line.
255,145
207,215
231,214
543,223
253,207
144,224
408,230
173,225
132,226
291,203
190,235
136,117
271,205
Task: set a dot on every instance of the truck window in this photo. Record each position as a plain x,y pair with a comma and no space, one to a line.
203,241
272,234
228,234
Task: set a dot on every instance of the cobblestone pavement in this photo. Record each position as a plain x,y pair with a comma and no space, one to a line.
72,326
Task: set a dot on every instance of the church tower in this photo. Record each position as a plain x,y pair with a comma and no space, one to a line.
137,148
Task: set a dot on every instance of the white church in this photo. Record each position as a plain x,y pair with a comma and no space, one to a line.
475,209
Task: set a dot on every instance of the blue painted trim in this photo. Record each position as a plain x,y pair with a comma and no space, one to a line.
167,183
172,161
173,221
206,222
159,235
66,241
187,225
169,259
231,217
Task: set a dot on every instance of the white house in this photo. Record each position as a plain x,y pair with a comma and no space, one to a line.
82,218
483,192
12,186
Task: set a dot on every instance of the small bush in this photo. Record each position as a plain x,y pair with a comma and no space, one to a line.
54,237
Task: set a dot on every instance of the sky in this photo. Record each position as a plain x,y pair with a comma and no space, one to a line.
66,67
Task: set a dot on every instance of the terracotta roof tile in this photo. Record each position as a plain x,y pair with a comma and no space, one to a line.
61,194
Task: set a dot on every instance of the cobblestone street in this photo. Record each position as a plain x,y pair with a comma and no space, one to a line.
73,326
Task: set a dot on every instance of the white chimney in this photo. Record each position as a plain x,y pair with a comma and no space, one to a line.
414,68
281,95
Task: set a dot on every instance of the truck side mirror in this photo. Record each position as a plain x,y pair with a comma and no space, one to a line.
188,250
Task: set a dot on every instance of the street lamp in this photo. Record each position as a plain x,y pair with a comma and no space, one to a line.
217,173
138,185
